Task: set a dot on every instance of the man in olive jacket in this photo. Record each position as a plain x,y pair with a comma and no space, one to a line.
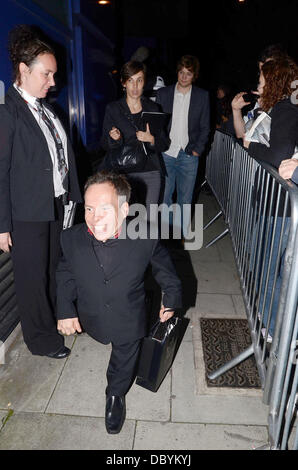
100,284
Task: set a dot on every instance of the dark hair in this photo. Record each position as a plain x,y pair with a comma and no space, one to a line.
119,182
191,63
131,68
25,46
271,52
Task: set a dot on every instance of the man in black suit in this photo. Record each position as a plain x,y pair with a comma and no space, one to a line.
189,130
100,284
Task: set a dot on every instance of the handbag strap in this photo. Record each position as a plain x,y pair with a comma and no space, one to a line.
128,116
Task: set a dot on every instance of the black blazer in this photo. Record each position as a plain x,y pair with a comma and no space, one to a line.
115,115
109,297
283,135
26,169
198,115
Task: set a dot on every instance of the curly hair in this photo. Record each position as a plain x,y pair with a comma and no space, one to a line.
279,74
25,46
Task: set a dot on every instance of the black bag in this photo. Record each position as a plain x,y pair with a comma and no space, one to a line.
130,156
158,352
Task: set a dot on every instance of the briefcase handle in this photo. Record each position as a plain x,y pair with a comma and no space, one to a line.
167,327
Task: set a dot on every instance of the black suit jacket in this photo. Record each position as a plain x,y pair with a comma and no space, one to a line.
26,169
283,135
198,115
115,115
108,294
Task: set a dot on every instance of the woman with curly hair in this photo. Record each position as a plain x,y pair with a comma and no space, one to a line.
275,89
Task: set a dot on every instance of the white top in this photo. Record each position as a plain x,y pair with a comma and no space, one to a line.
179,129
31,101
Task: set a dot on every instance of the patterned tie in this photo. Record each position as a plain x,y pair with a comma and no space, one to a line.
62,166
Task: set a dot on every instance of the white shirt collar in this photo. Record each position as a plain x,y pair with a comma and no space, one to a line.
25,95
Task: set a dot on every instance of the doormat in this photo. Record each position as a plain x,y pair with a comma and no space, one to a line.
223,340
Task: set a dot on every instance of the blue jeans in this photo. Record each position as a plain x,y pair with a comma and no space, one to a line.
181,174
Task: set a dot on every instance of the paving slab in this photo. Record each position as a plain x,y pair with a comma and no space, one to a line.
27,382
215,305
81,388
239,305
3,415
143,404
217,277
36,431
227,407
183,436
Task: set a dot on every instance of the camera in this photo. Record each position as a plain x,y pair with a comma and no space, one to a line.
250,97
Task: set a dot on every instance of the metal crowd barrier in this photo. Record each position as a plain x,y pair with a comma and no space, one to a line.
261,213
218,167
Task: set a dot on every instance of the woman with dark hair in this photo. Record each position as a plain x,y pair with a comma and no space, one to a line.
37,179
123,124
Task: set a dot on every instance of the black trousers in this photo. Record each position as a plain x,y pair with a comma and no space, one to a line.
146,187
35,254
122,367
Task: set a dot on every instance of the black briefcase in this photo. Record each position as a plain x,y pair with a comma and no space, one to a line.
158,352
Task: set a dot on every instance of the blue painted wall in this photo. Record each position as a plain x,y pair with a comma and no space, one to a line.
84,54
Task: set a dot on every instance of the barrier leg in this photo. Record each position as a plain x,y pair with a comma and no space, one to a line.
232,363
219,237
213,220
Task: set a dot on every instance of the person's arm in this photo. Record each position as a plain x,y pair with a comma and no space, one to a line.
204,126
68,322
237,104
164,272
157,141
109,136
7,130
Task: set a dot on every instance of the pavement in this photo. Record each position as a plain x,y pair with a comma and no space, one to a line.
48,404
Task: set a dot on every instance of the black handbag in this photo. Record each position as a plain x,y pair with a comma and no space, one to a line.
131,155
158,352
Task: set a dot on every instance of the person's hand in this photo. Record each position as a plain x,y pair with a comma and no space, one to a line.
69,326
114,133
246,143
165,314
195,154
5,241
287,168
238,101
145,136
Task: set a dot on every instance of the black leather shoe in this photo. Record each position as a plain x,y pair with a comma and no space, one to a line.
115,413
60,354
